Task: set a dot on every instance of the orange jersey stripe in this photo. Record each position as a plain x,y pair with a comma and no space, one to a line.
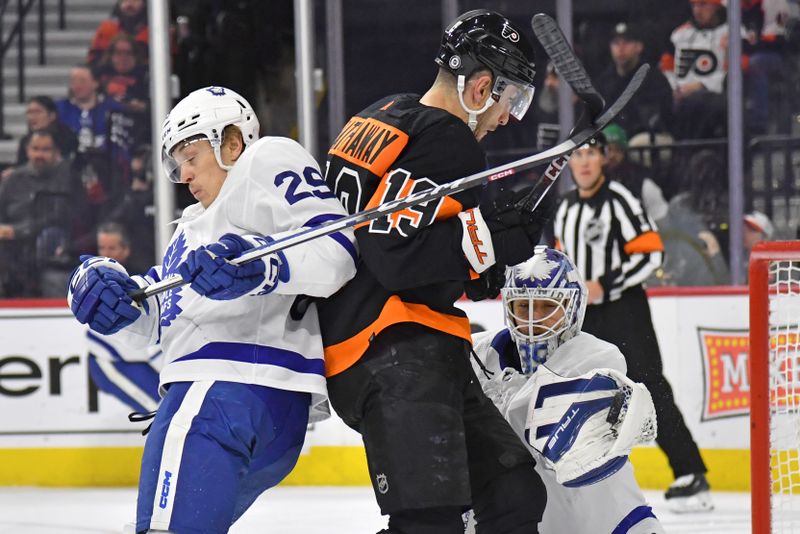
667,63
449,207
341,356
369,144
644,243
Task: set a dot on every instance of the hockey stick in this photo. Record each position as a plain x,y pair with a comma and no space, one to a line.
571,69
421,197
567,64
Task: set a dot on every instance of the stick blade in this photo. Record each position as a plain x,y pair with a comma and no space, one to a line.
566,62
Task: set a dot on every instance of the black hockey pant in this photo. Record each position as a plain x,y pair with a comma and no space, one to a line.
435,444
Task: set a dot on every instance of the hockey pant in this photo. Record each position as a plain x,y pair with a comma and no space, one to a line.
435,444
214,447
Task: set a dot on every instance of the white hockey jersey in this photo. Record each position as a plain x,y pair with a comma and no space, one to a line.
274,187
612,506
700,56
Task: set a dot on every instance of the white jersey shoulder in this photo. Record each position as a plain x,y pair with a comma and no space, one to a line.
274,187
577,356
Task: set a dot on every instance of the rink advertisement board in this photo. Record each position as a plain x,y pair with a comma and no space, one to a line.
57,429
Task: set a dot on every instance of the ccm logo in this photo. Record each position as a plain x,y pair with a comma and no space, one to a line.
165,490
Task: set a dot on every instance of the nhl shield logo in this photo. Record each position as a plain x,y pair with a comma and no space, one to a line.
383,483
594,231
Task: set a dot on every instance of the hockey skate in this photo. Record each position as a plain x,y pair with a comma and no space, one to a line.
689,493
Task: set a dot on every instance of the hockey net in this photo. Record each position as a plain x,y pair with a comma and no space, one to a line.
775,386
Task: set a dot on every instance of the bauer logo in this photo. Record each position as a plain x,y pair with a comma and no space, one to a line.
162,503
726,370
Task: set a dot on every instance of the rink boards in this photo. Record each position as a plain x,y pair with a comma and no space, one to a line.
57,430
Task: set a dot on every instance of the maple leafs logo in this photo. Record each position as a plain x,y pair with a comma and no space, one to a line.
172,258
538,270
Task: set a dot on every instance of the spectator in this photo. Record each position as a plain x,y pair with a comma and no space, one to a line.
757,228
634,176
695,230
129,17
136,211
650,110
122,74
113,242
548,130
101,158
765,22
697,71
41,113
615,246
26,210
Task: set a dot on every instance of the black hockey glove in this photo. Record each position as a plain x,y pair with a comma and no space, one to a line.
514,228
488,285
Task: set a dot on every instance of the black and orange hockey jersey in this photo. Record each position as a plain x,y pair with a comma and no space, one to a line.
412,266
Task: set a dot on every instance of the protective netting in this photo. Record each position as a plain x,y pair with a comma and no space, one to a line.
784,394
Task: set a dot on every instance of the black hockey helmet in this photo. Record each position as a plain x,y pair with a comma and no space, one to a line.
485,39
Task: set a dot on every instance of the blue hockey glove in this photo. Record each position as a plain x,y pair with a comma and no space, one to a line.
213,276
98,295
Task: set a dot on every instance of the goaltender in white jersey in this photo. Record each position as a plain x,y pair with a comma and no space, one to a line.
544,300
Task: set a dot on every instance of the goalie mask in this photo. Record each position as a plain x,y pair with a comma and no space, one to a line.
482,39
203,115
544,301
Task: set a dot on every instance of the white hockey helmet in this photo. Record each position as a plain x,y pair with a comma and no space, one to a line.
552,277
205,113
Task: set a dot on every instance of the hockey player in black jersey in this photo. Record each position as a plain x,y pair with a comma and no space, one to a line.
396,348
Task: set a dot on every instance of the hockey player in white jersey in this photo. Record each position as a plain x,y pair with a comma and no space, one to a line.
564,392
243,362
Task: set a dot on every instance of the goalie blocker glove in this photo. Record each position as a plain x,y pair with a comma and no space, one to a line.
213,275
586,426
504,230
98,295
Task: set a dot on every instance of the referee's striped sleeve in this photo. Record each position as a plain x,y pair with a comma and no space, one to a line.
644,250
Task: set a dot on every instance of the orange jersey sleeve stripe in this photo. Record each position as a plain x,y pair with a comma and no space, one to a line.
343,355
667,63
449,207
642,244
369,144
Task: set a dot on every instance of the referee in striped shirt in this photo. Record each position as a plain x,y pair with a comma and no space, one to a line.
616,246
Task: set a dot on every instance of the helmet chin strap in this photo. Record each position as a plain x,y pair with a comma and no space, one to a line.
472,115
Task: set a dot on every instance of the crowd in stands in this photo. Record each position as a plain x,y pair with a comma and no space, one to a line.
82,165
85,162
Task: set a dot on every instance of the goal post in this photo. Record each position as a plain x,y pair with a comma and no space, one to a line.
775,386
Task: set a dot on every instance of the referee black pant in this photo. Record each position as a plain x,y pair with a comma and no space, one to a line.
627,324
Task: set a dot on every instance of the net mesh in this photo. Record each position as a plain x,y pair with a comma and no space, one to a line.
784,394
